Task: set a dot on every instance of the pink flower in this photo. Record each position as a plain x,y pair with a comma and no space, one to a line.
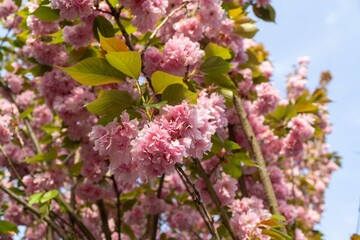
78,35
70,9
183,218
88,191
262,3
113,140
189,27
55,83
153,60
15,82
301,126
48,54
5,134
39,28
155,151
94,167
225,189
266,69
146,12
42,115
153,205
7,7
25,99
180,52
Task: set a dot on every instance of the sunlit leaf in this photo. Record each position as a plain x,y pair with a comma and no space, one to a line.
94,71
161,80
126,62
111,102
176,93
46,14
8,227
212,50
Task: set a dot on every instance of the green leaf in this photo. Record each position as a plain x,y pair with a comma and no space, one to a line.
228,94
18,3
41,157
44,210
230,145
35,198
58,37
232,167
223,232
8,227
212,50
276,234
94,71
75,169
112,44
49,195
126,62
215,66
305,107
128,231
220,80
111,102
27,112
161,80
51,128
113,2
246,30
278,217
103,26
155,105
266,13
176,93
46,14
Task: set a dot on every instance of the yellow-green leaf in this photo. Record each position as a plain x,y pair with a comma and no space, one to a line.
176,93
126,62
112,44
46,14
94,71
212,50
112,102
215,66
49,195
8,227
161,80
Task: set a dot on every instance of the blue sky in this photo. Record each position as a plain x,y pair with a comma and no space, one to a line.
329,32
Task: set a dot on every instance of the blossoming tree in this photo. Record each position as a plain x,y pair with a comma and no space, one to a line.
155,119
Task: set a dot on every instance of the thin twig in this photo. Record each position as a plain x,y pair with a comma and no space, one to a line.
11,165
215,198
76,218
32,209
156,217
195,195
118,207
116,14
104,219
153,34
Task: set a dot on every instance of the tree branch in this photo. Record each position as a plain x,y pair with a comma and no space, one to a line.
104,219
215,198
255,151
118,207
116,14
153,34
75,217
156,217
32,209
195,195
